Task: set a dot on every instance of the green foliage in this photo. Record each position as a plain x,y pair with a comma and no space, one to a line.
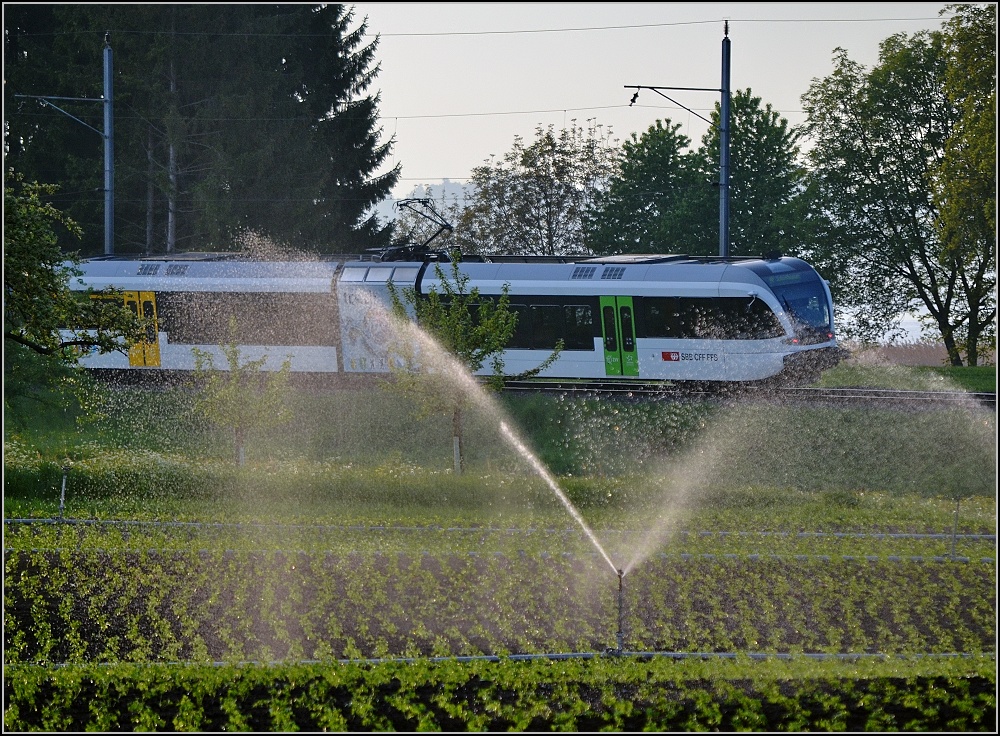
628,695
41,392
646,207
580,436
664,199
473,329
262,590
126,477
46,326
38,303
878,139
860,449
458,332
766,179
920,378
978,378
965,187
534,199
242,396
864,448
256,592
283,94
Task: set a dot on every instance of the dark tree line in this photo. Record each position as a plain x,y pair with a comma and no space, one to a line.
228,119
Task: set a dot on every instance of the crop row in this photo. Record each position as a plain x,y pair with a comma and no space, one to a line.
230,605
482,539
619,694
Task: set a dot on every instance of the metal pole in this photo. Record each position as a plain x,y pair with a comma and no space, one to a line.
108,135
109,153
62,494
621,612
724,151
954,527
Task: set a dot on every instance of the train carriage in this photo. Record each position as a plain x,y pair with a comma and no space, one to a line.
650,318
641,318
273,310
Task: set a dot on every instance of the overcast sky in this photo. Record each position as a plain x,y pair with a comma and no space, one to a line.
459,80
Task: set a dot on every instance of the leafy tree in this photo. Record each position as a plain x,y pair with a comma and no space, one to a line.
457,332
41,313
533,201
878,137
46,326
665,199
964,188
228,118
645,206
241,397
766,178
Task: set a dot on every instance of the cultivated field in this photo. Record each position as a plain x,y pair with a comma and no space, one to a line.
835,538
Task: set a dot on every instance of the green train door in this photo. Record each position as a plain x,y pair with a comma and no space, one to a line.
145,352
618,330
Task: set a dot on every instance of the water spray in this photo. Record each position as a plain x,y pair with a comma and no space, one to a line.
551,482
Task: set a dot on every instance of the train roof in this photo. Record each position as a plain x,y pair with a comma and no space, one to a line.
638,269
209,274
233,272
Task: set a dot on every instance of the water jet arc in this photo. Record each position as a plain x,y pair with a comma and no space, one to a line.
551,482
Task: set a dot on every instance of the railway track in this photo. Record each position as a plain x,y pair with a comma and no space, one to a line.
888,396
666,391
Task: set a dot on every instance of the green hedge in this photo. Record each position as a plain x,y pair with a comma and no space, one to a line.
449,695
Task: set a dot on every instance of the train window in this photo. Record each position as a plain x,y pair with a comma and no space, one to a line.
661,317
378,274
610,340
746,318
149,316
541,326
628,334
202,318
132,302
578,327
723,318
354,274
806,303
521,339
547,322
405,275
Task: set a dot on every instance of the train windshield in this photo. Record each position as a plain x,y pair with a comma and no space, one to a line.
806,304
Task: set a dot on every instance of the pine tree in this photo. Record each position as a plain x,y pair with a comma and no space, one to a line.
228,119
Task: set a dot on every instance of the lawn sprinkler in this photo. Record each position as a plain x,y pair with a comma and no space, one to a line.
620,635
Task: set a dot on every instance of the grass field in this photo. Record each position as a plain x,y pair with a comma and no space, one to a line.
915,365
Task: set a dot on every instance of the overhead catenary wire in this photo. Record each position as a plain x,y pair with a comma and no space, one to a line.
495,32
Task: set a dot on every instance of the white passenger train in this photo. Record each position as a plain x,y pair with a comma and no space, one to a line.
642,317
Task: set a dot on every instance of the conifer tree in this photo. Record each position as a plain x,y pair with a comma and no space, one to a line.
228,119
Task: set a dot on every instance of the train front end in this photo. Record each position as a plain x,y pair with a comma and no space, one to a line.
806,306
